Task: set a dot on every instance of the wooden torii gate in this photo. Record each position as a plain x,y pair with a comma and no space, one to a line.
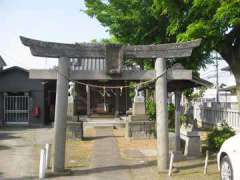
114,55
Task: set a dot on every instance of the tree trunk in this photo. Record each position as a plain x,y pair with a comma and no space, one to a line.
238,89
230,51
235,68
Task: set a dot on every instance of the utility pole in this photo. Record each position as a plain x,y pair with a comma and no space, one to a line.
217,77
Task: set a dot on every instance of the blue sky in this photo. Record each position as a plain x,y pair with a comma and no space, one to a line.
53,20
50,20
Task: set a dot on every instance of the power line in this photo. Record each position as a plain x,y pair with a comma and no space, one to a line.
204,74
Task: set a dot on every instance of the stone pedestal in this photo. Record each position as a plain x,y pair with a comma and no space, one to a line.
192,142
139,129
137,123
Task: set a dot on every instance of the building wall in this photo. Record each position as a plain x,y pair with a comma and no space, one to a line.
17,80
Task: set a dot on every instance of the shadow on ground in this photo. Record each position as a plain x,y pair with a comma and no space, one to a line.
18,178
14,128
83,172
22,178
6,135
110,168
97,137
196,165
4,148
21,128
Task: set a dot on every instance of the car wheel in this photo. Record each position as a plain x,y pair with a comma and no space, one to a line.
226,169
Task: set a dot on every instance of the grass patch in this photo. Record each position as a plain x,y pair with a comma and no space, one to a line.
125,145
133,143
188,169
36,158
78,152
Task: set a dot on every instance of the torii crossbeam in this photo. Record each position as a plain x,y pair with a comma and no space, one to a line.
85,50
114,55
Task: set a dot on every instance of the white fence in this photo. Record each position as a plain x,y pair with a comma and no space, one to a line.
215,116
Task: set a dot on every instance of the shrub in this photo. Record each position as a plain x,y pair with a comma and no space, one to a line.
217,137
171,115
151,109
151,112
186,119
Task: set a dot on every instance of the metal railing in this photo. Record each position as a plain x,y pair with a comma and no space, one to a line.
16,109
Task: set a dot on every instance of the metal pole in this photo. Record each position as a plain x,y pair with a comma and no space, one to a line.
88,100
161,116
217,79
126,99
116,113
60,115
177,119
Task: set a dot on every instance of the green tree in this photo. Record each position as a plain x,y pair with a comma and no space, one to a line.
217,22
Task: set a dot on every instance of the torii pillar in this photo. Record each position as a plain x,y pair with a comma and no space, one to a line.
161,115
60,115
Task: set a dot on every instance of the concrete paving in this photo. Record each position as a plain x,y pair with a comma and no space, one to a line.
106,159
18,156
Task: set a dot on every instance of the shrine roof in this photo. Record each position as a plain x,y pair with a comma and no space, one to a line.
180,85
96,64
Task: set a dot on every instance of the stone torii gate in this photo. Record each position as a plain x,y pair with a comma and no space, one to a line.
114,55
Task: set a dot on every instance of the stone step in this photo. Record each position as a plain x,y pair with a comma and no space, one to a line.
104,123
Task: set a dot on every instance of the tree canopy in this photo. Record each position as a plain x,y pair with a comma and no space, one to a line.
217,22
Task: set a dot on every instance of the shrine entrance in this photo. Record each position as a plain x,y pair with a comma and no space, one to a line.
113,55
102,102
99,102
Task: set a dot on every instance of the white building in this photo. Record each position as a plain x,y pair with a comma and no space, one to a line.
226,83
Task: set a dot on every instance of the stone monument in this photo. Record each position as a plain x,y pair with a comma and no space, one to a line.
192,140
138,124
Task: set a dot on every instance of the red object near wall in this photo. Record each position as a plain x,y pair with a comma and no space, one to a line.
36,111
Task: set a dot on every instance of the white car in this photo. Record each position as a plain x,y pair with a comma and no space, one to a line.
228,159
